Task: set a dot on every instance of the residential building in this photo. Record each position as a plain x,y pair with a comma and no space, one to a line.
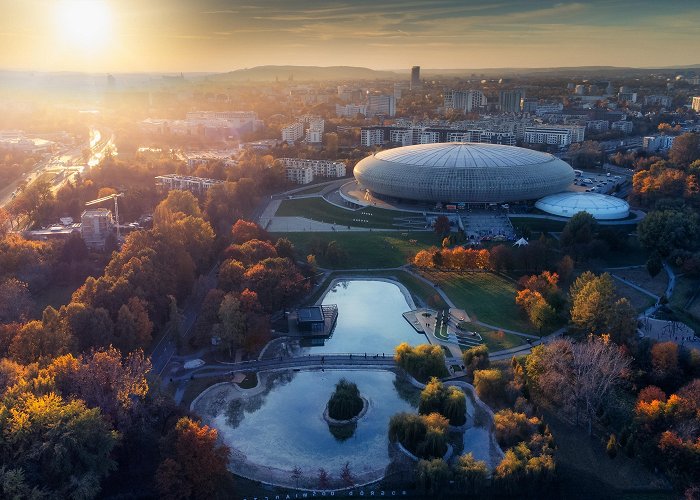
292,133
196,185
696,104
556,135
627,96
658,100
511,100
429,137
321,168
350,110
380,104
303,171
623,126
372,136
652,143
300,175
465,101
598,125
415,77
96,226
194,159
545,108
401,136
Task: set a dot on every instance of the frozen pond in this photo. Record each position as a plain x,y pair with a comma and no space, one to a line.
369,318
282,427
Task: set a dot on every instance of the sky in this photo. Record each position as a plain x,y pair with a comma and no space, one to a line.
224,35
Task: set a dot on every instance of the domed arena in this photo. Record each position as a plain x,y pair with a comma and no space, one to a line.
463,172
600,206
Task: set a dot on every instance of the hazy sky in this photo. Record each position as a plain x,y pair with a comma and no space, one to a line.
221,35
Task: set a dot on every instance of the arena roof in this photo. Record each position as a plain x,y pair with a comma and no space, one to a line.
463,172
600,206
463,155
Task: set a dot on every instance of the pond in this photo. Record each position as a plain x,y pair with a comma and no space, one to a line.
369,318
282,427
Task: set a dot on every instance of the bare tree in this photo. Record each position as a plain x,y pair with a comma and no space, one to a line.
578,376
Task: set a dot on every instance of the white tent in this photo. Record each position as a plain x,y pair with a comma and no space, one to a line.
520,243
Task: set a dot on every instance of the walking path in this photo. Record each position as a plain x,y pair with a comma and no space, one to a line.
336,361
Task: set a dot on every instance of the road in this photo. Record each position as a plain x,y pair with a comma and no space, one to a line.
64,164
166,347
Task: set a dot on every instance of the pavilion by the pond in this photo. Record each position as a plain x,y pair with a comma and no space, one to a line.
313,321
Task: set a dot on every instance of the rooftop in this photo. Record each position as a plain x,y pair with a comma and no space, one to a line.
463,155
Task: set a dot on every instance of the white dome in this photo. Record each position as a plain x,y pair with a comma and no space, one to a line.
600,206
463,172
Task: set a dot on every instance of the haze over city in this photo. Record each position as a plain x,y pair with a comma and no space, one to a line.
222,35
413,249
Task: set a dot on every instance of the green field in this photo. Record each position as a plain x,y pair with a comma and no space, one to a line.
320,210
365,250
485,296
422,293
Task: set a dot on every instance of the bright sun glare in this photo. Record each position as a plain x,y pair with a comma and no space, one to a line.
84,24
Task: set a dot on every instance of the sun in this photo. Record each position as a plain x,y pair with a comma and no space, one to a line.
84,24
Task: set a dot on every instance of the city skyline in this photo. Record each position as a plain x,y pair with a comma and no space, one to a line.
224,35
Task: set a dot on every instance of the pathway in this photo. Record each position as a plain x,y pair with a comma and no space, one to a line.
348,360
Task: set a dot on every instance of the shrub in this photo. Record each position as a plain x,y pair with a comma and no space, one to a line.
475,358
422,362
490,385
448,401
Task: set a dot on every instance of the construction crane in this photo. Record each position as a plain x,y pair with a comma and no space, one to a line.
116,207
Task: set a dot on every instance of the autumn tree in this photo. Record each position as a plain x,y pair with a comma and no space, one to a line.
194,465
15,300
578,376
61,445
232,326
475,358
471,474
133,328
442,225
685,149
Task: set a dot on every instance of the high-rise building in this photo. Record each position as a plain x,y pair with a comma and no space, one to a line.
511,100
415,77
466,101
379,104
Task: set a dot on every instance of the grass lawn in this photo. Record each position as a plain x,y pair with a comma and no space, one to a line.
311,190
640,301
586,471
320,210
55,296
485,296
366,250
494,340
422,293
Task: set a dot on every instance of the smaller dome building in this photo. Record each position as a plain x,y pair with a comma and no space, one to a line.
600,206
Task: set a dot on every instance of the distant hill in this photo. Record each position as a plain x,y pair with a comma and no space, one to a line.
304,73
